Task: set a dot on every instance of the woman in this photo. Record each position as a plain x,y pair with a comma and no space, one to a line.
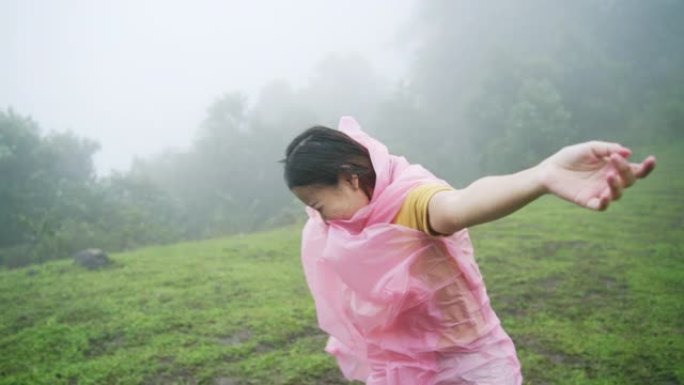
389,262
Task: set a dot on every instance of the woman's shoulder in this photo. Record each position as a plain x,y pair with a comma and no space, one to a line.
414,210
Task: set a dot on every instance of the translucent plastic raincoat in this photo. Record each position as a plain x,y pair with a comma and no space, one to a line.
402,307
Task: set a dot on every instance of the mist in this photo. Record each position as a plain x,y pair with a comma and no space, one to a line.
127,124
147,235
138,77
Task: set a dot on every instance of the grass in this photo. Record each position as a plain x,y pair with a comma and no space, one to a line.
588,298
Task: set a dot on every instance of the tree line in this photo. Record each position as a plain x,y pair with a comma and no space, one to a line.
493,87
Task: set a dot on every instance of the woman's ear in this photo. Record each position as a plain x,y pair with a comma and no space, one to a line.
352,179
356,183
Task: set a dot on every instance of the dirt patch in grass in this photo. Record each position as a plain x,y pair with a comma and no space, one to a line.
307,332
21,322
171,373
105,344
552,247
555,356
176,377
607,287
600,286
263,255
226,381
235,339
550,283
677,223
540,292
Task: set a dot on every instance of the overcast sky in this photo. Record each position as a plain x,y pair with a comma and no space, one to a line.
137,76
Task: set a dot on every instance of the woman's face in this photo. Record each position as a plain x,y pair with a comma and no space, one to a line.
340,201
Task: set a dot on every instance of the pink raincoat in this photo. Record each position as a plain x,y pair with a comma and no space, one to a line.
402,307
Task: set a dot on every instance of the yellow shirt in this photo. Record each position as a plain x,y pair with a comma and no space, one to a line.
414,210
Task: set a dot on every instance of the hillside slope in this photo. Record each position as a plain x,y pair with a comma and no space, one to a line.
588,298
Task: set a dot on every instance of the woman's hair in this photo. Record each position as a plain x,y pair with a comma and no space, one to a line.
319,155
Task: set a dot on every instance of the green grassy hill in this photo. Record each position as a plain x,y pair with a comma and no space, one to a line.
588,298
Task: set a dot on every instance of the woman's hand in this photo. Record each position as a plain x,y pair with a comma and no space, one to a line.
592,174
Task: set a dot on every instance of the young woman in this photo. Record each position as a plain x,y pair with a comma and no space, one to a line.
389,262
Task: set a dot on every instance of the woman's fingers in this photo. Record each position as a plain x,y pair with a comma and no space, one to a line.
599,203
626,174
645,168
605,149
623,176
615,186
619,174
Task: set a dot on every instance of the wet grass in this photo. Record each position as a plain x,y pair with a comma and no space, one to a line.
588,298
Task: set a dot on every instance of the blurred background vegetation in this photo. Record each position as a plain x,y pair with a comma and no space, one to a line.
476,100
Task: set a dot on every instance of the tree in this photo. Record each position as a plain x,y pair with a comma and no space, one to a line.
46,180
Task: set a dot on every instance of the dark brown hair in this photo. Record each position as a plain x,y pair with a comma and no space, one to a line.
319,155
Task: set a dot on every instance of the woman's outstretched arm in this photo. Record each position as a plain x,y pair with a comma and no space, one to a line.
590,174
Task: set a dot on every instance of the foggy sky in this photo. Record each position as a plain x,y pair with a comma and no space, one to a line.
137,76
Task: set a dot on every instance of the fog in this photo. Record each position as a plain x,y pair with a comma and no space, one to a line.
138,76
154,131
206,96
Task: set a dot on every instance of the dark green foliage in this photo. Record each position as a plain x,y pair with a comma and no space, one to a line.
51,204
45,181
496,86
